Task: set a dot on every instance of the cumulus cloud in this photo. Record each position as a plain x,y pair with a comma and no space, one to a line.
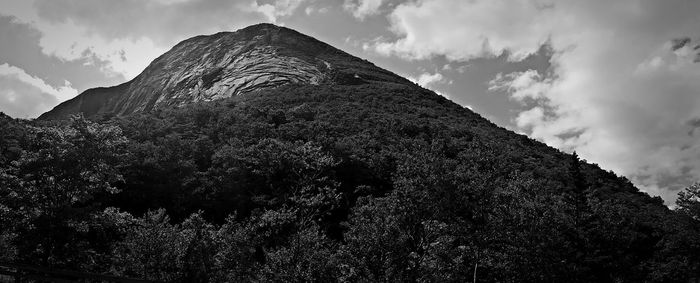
522,85
362,8
426,79
62,93
120,56
20,47
622,90
429,81
311,9
277,9
472,29
22,95
164,22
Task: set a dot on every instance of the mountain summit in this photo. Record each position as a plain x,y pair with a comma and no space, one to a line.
225,64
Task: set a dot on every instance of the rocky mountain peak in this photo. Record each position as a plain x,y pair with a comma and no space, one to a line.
210,67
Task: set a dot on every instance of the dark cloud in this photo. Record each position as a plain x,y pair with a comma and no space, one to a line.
679,43
20,47
695,122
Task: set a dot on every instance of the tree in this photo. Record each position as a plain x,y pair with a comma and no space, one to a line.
577,195
52,184
154,249
688,201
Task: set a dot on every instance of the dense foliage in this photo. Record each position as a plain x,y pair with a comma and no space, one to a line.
373,182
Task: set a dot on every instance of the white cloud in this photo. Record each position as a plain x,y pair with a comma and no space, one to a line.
428,80
467,29
311,9
522,85
23,95
618,92
62,93
127,57
361,9
120,38
278,9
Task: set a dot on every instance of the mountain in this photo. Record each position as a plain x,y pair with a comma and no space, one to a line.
265,155
205,68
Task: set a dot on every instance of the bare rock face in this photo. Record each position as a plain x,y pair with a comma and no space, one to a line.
205,68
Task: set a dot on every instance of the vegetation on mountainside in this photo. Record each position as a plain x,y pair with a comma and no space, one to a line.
374,182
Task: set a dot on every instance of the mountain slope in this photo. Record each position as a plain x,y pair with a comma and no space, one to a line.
383,182
205,68
315,172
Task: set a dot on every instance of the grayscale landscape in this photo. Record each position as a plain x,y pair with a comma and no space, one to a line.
349,141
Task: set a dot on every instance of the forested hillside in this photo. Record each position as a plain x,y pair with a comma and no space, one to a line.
349,183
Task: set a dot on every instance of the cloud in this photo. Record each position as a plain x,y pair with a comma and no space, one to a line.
311,9
360,9
20,47
125,57
135,19
522,85
622,89
428,80
62,93
678,43
277,9
22,95
472,29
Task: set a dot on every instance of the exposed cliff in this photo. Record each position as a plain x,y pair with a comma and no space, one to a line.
225,64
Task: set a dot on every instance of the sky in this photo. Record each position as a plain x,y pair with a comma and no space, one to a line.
616,81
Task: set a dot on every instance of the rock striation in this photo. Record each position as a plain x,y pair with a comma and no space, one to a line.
205,68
